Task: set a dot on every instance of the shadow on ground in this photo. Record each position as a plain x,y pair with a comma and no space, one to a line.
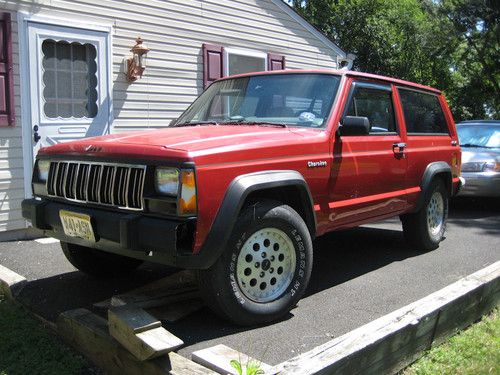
338,258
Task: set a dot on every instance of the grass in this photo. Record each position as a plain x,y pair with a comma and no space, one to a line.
475,351
27,347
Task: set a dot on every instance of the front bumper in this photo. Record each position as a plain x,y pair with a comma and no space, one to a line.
135,235
481,184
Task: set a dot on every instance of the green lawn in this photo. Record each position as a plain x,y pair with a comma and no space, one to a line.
475,351
27,347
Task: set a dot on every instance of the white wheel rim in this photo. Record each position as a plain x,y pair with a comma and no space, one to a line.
435,213
266,265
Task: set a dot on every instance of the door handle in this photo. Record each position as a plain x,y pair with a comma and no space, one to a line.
36,136
398,148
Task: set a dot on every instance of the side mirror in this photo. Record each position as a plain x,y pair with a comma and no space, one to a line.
354,125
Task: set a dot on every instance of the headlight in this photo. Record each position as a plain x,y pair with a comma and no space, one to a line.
167,181
491,166
43,170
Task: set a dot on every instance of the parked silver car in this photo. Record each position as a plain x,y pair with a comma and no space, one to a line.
480,142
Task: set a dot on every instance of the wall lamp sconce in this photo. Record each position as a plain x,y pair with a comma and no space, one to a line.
135,65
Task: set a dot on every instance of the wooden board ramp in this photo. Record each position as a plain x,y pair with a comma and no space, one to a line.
140,333
170,298
219,357
88,333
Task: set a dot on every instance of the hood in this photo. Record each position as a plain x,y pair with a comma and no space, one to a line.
187,142
198,138
473,154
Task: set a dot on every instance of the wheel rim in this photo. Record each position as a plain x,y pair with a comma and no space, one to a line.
266,265
435,213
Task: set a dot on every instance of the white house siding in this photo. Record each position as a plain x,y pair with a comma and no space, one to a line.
174,30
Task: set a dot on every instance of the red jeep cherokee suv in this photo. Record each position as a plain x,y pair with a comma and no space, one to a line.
239,186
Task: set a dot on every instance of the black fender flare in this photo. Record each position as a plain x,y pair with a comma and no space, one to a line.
431,171
236,194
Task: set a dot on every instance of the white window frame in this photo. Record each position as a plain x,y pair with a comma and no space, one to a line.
23,20
242,52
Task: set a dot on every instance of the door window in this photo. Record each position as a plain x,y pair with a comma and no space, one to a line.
423,113
69,79
376,105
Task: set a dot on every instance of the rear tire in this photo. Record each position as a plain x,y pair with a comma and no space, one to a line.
98,263
264,270
424,230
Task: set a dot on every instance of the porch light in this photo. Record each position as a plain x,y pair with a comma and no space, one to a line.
136,64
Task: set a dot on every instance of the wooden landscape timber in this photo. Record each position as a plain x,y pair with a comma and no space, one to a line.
392,342
219,357
88,333
140,333
11,283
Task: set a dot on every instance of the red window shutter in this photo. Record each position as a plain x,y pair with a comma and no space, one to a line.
275,62
6,72
213,63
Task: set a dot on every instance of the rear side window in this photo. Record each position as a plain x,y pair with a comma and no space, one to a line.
423,113
377,106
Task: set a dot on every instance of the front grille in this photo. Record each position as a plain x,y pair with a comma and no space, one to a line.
116,185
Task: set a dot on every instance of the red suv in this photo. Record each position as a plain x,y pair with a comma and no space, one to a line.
239,186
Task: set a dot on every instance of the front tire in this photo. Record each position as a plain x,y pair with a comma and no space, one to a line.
98,263
424,230
265,268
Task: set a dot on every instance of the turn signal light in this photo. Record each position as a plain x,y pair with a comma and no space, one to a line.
187,200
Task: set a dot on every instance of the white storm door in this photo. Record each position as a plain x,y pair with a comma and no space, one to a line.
68,79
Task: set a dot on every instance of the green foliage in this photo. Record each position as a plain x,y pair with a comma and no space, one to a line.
449,44
27,348
474,351
252,367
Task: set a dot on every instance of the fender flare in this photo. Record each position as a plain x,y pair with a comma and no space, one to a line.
432,170
239,189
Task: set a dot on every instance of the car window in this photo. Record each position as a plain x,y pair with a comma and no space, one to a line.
376,105
293,99
479,135
423,113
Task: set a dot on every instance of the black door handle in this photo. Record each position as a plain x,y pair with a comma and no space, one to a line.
36,136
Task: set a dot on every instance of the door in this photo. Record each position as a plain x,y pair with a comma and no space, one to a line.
68,81
369,171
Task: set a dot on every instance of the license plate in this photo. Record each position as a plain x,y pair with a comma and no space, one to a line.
77,225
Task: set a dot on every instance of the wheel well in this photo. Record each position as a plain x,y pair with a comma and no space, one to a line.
292,196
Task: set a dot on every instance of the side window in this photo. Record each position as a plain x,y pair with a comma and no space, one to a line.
377,106
423,113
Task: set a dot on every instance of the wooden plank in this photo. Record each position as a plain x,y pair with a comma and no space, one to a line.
140,333
175,311
219,357
393,341
11,283
180,286
88,334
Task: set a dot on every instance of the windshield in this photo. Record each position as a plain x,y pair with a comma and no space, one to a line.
487,136
299,99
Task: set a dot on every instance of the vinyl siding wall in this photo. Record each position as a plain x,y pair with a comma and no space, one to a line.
174,30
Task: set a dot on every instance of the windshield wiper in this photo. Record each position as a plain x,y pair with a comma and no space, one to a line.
473,145
196,123
254,123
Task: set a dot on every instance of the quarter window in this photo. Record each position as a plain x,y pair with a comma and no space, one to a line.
423,113
376,105
69,79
